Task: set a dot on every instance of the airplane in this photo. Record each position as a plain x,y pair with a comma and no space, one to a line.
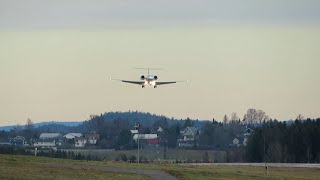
147,79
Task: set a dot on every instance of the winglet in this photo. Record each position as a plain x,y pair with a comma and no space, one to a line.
111,79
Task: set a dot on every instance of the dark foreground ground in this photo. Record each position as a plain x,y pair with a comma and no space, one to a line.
26,167
154,174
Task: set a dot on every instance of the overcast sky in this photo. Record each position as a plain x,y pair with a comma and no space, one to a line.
57,56
21,14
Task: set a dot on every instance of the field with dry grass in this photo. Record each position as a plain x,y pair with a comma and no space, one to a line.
24,167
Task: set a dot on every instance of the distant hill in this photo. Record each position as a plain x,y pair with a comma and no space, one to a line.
145,119
67,124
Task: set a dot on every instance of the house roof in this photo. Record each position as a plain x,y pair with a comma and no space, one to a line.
19,138
92,136
49,135
248,131
159,129
145,136
73,135
41,140
190,131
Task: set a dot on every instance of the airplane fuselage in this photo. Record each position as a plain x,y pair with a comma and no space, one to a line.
149,80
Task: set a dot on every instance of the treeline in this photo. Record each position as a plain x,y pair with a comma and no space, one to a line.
217,135
47,153
210,135
128,120
13,150
272,141
116,133
114,130
282,143
66,155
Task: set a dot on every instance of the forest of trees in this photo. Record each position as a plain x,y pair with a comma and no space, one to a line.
272,140
276,141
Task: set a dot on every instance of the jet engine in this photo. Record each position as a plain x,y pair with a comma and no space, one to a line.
142,77
155,77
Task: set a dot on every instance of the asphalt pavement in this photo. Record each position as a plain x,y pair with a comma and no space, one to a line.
154,174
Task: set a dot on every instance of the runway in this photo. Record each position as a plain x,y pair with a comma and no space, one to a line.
287,165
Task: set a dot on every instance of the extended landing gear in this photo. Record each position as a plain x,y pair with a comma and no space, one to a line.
142,86
154,86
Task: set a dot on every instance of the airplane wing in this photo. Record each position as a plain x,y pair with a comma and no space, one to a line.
163,83
131,82
169,82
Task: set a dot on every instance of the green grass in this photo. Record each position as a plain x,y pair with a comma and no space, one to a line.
242,173
189,172
24,167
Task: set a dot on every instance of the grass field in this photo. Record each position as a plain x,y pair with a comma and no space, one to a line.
189,172
24,167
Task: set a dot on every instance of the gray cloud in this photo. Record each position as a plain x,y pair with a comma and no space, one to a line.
98,13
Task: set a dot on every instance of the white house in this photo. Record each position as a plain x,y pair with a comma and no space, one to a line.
145,136
92,137
44,136
246,135
19,141
189,133
80,142
235,142
45,144
72,135
188,137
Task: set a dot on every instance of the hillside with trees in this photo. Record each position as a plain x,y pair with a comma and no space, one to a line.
269,141
279,142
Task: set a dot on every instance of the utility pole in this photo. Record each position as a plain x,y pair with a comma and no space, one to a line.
137,127
264,154
138,148
165,151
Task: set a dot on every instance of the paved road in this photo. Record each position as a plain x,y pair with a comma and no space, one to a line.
289,165
154,174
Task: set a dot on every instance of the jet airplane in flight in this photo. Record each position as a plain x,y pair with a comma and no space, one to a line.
148,79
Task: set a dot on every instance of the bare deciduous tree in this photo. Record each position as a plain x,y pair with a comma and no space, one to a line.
234,117
225,119
29,124
254,116
300,117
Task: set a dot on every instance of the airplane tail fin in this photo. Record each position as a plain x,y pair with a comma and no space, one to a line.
148,69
